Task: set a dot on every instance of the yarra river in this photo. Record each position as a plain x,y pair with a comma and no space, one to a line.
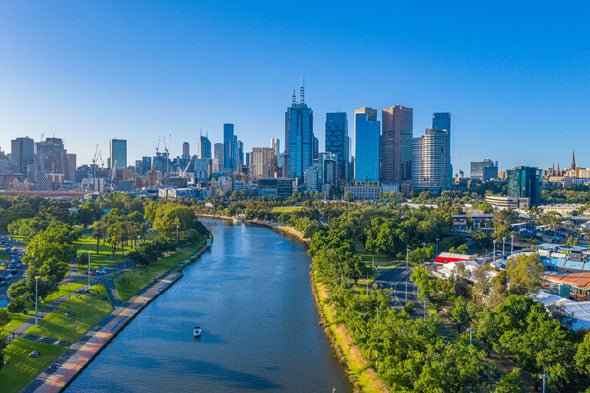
251,294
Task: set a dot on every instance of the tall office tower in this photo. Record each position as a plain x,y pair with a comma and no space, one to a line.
70,167
366,145
337,141
146,165
430,161
248,160
484,170
240,160
275,144
219,152
298,138
396,144
118,153
22,153
327,168
442,121
186,149
204,147
316,147
50,155
525,182
228,140
263,163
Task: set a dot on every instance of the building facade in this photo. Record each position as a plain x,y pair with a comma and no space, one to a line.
430,160
442,121
485,170
396,144
228,148
299,138
204,147
366,145
118,154
337,141
263,163
525,182
22,154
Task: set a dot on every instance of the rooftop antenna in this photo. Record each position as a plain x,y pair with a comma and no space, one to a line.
294,98
302,91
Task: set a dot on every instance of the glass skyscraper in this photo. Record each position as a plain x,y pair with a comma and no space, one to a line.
442,121
299,138
337,141
228,140
525,182
366,145
204,147
118,153
396,144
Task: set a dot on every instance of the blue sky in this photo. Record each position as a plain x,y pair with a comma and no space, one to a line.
514,76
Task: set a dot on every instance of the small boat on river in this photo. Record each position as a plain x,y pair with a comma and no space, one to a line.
197,331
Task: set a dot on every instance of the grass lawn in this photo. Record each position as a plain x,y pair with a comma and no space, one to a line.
141,277
285,209
87,310
381,261
21,369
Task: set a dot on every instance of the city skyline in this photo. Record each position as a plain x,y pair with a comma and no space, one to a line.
100,77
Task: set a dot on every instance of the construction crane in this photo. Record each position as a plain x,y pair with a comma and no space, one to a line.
114,170
183,173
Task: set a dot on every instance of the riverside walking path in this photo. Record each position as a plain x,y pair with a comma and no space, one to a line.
57,376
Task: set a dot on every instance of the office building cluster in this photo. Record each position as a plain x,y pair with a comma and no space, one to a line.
380,155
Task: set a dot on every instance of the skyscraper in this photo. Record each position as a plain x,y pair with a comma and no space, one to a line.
430,161
218,151
228,140
186,149
442,121
366,145
204,147
118,150
22,153
298,138
337,141
396,144
263,163
525,182
484,170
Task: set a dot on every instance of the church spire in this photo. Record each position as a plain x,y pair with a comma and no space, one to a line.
573,160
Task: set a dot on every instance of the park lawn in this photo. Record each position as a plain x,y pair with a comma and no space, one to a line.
353,361
63,290
133,281
87,310
379,260
285,209
21,369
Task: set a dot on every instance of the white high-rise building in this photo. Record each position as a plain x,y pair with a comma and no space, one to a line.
431,160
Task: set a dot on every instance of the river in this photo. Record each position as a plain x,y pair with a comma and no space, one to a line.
251,294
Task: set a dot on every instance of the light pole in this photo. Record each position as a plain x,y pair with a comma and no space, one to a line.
503,245
424,305
138,239
471,330
544,377
436,247
408,277
176,235
494,256
88,271
376,349
36,296
511,243
424,251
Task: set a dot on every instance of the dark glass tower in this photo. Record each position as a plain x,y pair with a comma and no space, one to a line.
298,138
337,141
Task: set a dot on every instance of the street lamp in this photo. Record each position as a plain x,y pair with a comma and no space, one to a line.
36,296
408,277
88,271
471,330
424,305
503,245
512,243
138,238
176,235
436,247
494,256
544,377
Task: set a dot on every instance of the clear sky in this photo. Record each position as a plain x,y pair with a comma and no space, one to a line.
514,75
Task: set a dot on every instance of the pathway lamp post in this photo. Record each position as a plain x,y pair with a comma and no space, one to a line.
36,296
471,330
177,235
88,271
138,241
503,245
408,277
424,305
437,247
511,243
494,256
544,377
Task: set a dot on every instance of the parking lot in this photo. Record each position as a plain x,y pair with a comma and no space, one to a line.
11,267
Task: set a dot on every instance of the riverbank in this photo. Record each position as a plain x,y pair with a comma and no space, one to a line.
65,369
360,377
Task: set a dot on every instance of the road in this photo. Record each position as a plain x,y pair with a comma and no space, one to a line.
397,279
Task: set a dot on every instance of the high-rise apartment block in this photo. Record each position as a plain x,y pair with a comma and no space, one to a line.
525,182
22,154
118,150
485,170
366,145
337,141
218,160
299,138
263,163
442,121
430,161
396,144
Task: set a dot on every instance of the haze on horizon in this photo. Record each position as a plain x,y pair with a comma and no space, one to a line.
514,76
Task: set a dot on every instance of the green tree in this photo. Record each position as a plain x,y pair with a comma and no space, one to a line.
459,314
510,383
524,273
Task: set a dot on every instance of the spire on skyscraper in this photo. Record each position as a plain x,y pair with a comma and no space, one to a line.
302,92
